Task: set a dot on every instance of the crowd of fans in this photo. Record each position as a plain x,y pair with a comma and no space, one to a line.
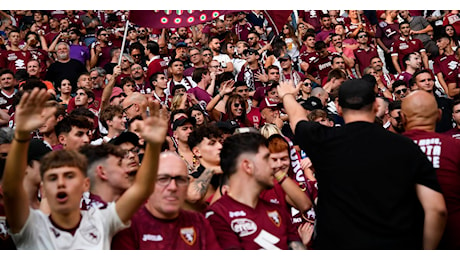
255,127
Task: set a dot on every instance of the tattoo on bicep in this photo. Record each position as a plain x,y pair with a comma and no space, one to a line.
202,183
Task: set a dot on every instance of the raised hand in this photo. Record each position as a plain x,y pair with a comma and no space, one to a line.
287,87
156,123
31,113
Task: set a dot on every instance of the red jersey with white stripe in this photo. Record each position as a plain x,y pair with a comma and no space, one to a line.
238,226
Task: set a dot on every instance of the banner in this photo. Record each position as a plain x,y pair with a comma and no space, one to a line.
159,19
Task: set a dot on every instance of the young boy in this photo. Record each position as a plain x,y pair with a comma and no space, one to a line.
64,180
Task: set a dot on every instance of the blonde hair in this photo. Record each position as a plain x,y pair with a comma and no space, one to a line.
269,129
176,101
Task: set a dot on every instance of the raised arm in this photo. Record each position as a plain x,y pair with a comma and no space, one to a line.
154,134
105,99
435,210
287,93
30,114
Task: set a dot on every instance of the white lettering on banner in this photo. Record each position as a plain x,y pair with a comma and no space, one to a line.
432,148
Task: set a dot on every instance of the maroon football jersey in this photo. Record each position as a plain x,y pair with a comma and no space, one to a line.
14,60
447,65
363,57
6,101
238,226
444,152
401,48
189,231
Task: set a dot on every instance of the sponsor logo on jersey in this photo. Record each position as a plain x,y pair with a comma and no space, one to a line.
234,214
188,234
243,226
149,237
274,216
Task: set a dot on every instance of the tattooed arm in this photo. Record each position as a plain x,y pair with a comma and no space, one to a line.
198,187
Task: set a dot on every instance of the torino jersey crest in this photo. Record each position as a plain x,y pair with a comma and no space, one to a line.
188,234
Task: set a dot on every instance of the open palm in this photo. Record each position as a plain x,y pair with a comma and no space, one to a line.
156,124
31,113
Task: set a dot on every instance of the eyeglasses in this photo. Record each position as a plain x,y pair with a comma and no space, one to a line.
237,105
307,84
104,34
126,108
134,150
401,91
94,78
141,31
165,180
285,28
124,60
362,36
251,38
207,55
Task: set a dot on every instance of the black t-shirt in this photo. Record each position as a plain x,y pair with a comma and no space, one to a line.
366,186
70,70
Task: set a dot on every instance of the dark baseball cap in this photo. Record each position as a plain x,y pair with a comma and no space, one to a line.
285,57
227,126
126,137
182,121
37,149
250,51
181,44
312,103
356,93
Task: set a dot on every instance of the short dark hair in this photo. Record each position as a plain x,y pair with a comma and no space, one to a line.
153,47
199,133
171,62
412,80
66,124
198,73
94,153
236,145
319,45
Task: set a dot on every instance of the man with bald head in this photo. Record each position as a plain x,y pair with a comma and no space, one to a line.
424,80
161,223
420,113
134,104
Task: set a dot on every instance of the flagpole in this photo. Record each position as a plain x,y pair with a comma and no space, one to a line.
123,42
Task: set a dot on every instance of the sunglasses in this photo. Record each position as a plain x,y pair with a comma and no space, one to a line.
237,105
207,55
401,91
307,84
94,78
105,34
141,31
362,36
